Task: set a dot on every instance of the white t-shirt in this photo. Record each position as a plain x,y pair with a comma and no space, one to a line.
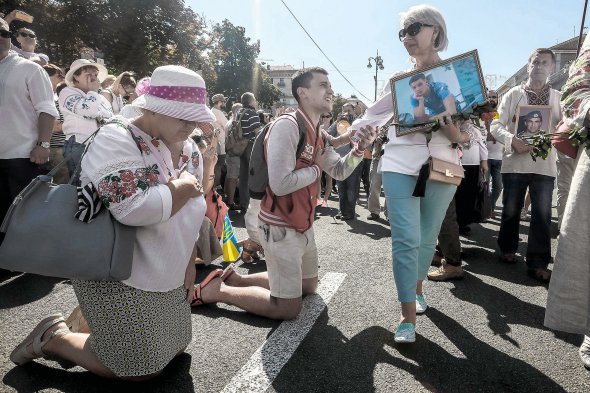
133,185
495,150
82,112
25,93
220,124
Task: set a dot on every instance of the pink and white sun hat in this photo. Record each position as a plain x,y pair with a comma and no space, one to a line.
177,92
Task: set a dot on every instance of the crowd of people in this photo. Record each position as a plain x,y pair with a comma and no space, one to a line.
165,158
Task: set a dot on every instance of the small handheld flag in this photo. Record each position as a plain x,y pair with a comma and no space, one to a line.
229,243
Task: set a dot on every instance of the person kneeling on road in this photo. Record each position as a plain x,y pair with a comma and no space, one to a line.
288,208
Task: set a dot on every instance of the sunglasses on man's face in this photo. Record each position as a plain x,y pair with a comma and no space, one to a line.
326,116
412,30
5,34
30,35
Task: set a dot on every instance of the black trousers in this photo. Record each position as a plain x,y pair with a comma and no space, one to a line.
15,174
466,196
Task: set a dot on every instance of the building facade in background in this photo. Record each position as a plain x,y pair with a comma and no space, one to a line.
281,77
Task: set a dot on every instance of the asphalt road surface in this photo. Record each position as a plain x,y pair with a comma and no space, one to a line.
484,333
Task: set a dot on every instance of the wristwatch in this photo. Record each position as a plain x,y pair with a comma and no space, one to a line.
44,145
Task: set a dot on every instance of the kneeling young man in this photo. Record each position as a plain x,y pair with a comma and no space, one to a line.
287,210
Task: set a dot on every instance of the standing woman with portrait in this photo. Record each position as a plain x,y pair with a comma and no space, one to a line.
415,221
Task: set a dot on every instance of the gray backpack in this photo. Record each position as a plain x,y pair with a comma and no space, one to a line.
258,168
235,143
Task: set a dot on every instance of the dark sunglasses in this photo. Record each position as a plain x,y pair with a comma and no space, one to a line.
30,35
412,30
326,116
5,34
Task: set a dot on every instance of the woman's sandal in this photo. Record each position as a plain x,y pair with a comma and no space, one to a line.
20,355
250,250
198,299
228,271
540,274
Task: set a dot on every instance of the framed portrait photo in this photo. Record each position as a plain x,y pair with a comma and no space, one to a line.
450,87
532,120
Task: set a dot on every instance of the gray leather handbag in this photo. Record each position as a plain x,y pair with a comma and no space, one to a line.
44,237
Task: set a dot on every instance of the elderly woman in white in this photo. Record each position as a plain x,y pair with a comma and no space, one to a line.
149,174
83,108
415,221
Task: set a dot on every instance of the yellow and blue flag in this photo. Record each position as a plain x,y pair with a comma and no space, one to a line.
229,243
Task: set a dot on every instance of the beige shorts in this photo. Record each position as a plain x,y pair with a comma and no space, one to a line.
232,164
290,257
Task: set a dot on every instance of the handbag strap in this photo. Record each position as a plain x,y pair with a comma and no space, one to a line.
87,142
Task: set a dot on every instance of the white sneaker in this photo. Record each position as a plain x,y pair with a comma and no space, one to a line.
421,305
585,352
405,333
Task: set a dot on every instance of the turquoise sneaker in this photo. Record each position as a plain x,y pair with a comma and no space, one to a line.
421,305
405,333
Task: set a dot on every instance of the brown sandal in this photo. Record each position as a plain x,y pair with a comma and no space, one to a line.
250,250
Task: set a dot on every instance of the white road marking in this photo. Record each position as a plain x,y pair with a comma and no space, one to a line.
268,360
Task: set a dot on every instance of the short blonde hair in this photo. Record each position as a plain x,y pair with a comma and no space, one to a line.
429,15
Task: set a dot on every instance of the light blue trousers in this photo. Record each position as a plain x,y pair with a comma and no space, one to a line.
415,224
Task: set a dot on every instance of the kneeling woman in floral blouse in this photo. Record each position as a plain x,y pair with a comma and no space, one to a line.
149,174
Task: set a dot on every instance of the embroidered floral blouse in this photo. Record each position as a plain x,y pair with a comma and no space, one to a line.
132,185
575,98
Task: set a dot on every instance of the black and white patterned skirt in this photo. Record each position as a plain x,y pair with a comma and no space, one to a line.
134,332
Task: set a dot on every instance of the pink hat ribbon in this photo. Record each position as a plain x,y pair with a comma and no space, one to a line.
195,95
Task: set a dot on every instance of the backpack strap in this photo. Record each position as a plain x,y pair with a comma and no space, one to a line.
302,132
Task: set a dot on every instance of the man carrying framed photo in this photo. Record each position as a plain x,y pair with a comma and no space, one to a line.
520,171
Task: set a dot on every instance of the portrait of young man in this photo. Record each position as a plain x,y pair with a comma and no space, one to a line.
430,98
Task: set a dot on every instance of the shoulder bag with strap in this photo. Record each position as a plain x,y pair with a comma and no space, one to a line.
440,171
44,236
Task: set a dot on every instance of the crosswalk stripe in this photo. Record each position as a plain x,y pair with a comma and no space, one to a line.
268,360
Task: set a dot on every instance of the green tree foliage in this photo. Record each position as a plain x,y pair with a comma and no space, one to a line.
136,35
140,35
338,102
234,61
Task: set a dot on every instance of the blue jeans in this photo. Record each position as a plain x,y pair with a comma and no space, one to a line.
73,149
348,191
538,251
415,224
495,167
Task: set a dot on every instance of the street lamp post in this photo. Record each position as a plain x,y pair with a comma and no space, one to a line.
378,66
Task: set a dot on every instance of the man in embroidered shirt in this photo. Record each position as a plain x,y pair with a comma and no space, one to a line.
251,125
520,172
287,209
430,98
27,111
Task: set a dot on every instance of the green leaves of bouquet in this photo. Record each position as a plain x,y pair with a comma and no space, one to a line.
580,137
541,145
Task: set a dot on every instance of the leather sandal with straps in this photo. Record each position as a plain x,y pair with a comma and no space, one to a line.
250,250
198,298
21,355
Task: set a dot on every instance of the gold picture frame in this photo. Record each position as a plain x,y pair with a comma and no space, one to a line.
452,86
